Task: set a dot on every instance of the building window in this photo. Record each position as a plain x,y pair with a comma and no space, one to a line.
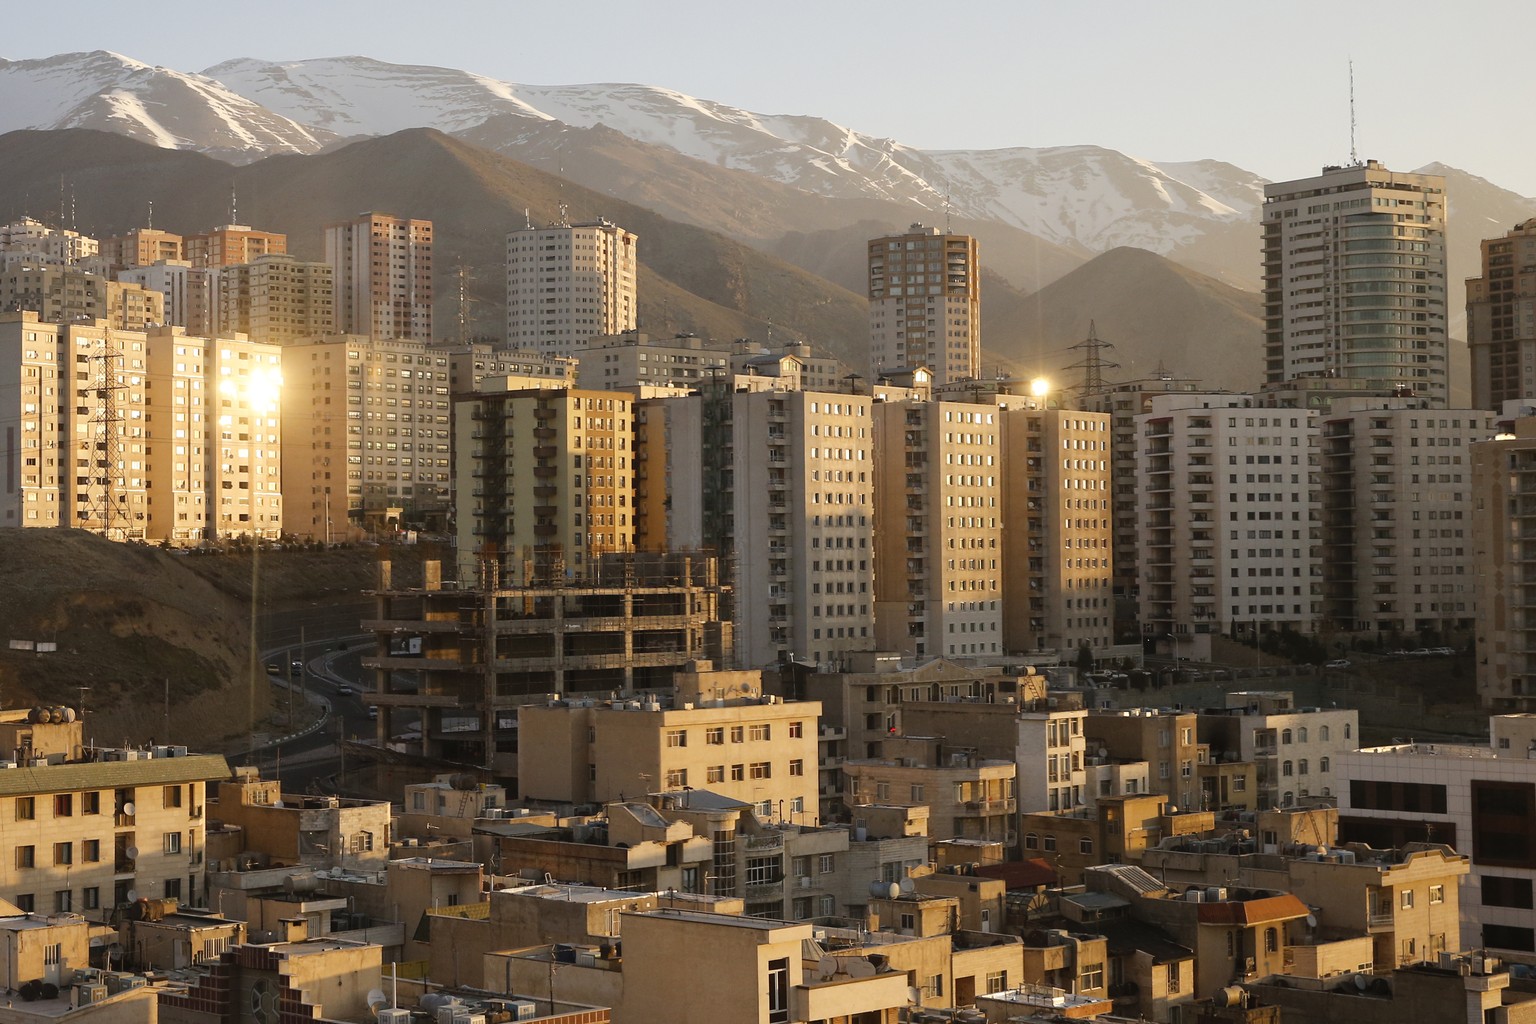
997,981
1301,767
64,805
714,737
90,898
1092,977
1173,978
797,767
1286,768
1084,845
796,730
714,773
677,778
738,772
63,902
759,732
63,853
1285,736
53,954
826,864
90,803
26,808
1322,764
1405,899
917,792
763,870
677,737
173,842
1271,940
1050,844
25,902
762,770
26,856
1436,894
90,850
738,733
171,796
778,991
936,984
1031,841
1322,733
173,888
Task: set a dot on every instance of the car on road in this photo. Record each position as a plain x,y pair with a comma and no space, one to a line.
295,667
1338,663
273,668
373,713
345,690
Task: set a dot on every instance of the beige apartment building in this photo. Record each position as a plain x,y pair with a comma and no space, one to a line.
567,283
969,796
1167,741
1396,483
232,244
1503,513
925,304
471,363
632,360
186,293
33,236
276,299
1501,319
368,423
1354,279
752,748
142,247
544,476
66,294
939,528
1058,563
194,457
87,830
382,268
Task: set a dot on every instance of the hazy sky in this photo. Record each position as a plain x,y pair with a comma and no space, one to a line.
1264,86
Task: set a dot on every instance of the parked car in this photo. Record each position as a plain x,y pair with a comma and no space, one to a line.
1338,663
345,690
273,668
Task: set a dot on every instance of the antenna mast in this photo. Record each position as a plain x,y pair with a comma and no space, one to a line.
1354,157
234,212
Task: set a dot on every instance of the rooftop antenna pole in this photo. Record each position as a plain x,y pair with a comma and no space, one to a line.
946,212
1354,158
234,212
151,224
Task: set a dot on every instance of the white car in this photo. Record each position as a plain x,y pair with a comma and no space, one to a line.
1338,663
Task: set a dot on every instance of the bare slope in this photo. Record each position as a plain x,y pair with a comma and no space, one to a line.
1152,309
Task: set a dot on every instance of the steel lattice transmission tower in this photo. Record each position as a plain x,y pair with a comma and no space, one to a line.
1093,364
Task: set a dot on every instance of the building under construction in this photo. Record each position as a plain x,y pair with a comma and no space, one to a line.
456,660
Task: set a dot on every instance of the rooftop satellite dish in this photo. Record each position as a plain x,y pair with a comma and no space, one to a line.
858,967
826,968
1362,982
908,886
914,995
133,895
1311,920
377,1000
129,808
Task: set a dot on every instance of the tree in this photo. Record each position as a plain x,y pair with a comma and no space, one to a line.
1084,658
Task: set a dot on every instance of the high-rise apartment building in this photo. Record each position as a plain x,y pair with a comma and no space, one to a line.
1395,487
780,482
29,235
568,283
368,426
383,276
925,304
1057,543
939,526
158,435
230,244
276,299
186,294
1227,496
61,294
1354,279
1501,319
545,476
1503,513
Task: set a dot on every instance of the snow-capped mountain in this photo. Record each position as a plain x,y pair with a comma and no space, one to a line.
169,108
1083,197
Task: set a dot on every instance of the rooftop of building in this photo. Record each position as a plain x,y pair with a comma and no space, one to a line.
568,892
1412,748
1044,996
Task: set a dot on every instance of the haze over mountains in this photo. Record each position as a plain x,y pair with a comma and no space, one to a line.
739,213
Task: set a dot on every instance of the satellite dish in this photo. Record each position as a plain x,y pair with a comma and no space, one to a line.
377,1000
1311,920
129,808
133,895
858,967
908,886
914,995
132,852
826,968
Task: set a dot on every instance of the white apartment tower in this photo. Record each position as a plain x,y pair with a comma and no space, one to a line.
1354,279
925,304
568,283
1227,495
382,273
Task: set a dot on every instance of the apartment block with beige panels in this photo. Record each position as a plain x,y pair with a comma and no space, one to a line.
568,283
89,829
368,422
192,423
276,299
729,739
925,304
1503,515
232,244
383,276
